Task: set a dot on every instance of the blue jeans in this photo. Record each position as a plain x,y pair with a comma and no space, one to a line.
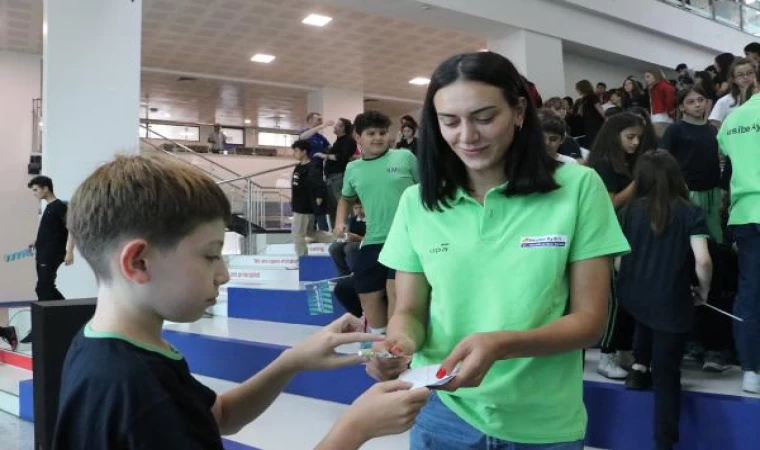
747,304
439,428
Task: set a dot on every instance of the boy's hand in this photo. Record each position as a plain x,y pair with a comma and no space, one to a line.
700,295
385,408
318,351
340,229
69,259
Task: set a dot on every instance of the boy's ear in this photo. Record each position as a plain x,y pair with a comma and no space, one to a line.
132,261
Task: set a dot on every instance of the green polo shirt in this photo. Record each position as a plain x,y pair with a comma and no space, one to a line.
739,139
503,265
379,184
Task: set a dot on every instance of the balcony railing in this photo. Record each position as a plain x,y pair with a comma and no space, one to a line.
741,14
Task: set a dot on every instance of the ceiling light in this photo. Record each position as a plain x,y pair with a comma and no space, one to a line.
316,20
483,50
420,81
247,121
261,58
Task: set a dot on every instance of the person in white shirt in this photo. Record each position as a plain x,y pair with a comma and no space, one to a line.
554,130
742,82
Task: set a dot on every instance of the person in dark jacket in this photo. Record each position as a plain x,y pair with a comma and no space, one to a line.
308,199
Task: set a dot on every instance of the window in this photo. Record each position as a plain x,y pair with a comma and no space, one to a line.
277,139
235,136
173,132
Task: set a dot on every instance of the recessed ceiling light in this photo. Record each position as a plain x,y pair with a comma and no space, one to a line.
262,58
247,121
483,50
420,81
316,20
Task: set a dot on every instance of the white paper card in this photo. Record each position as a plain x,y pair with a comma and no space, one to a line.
425,376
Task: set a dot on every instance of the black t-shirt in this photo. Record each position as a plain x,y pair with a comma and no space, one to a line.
614,182
307,186
344,148
412,147
592,120
654,283
570,148
115,395
52,233
695,147
633,100
356,226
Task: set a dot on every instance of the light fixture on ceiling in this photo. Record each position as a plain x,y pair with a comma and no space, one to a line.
484,50
262,58
316,20
419,81
247,121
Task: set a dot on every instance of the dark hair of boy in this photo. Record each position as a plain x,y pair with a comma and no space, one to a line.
154,198
659,180
552,124
607,146
41,181
601,84
528,166
752,47
612,111
681,67
300,144
371,119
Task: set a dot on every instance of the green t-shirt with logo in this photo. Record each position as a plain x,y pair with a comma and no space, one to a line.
379,184
739,139
504,265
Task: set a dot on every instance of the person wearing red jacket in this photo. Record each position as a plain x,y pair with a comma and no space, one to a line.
662,96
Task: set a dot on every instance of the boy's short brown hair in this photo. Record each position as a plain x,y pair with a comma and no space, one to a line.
149,197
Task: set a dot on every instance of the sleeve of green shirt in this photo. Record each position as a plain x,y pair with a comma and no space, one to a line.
414,167
597,230
348,190
398,252
722,139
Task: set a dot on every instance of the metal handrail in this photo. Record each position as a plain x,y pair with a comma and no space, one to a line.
187,149
256,174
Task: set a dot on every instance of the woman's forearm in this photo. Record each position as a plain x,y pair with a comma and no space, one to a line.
407,328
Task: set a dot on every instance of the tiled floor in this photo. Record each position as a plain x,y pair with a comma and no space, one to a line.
15,433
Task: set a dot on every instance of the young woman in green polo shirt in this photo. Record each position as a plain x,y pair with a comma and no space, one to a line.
503,258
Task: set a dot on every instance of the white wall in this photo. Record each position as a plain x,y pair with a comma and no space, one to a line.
579,67
19,84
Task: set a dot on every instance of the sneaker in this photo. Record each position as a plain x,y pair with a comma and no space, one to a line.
751,382
609,368
715,363
9,335
638,380
625,359
694,352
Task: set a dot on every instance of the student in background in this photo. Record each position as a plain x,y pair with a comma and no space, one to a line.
723,63
752,53
490,201
123,386
408,138
739,140
217,139
591,111
742,79
633,94
343,251
554,129
568,146
336,159
694,144
614,158
666,232
704,80
378,178
662,96
649,140
601,92
307,199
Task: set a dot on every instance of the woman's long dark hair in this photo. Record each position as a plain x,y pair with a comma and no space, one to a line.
660,186
649,141
528,166
607,147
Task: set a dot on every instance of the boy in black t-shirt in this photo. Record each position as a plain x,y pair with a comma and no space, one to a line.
308,197
152,230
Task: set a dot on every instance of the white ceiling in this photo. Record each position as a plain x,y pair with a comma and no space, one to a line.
215,39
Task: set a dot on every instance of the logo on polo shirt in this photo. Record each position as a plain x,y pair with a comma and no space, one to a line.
549,240
441,248
393,169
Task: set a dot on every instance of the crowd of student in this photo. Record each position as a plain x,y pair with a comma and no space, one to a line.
500,258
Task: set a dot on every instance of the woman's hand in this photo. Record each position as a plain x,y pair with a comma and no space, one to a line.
389,369
475,355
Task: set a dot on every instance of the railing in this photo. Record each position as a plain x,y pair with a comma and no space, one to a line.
740,14
256,209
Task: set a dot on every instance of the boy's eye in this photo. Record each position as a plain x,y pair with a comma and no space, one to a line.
213,257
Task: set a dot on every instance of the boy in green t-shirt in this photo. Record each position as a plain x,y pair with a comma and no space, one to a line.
152,230
378,178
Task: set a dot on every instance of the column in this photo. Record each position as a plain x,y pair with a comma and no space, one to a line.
537,56
91,99
334,103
